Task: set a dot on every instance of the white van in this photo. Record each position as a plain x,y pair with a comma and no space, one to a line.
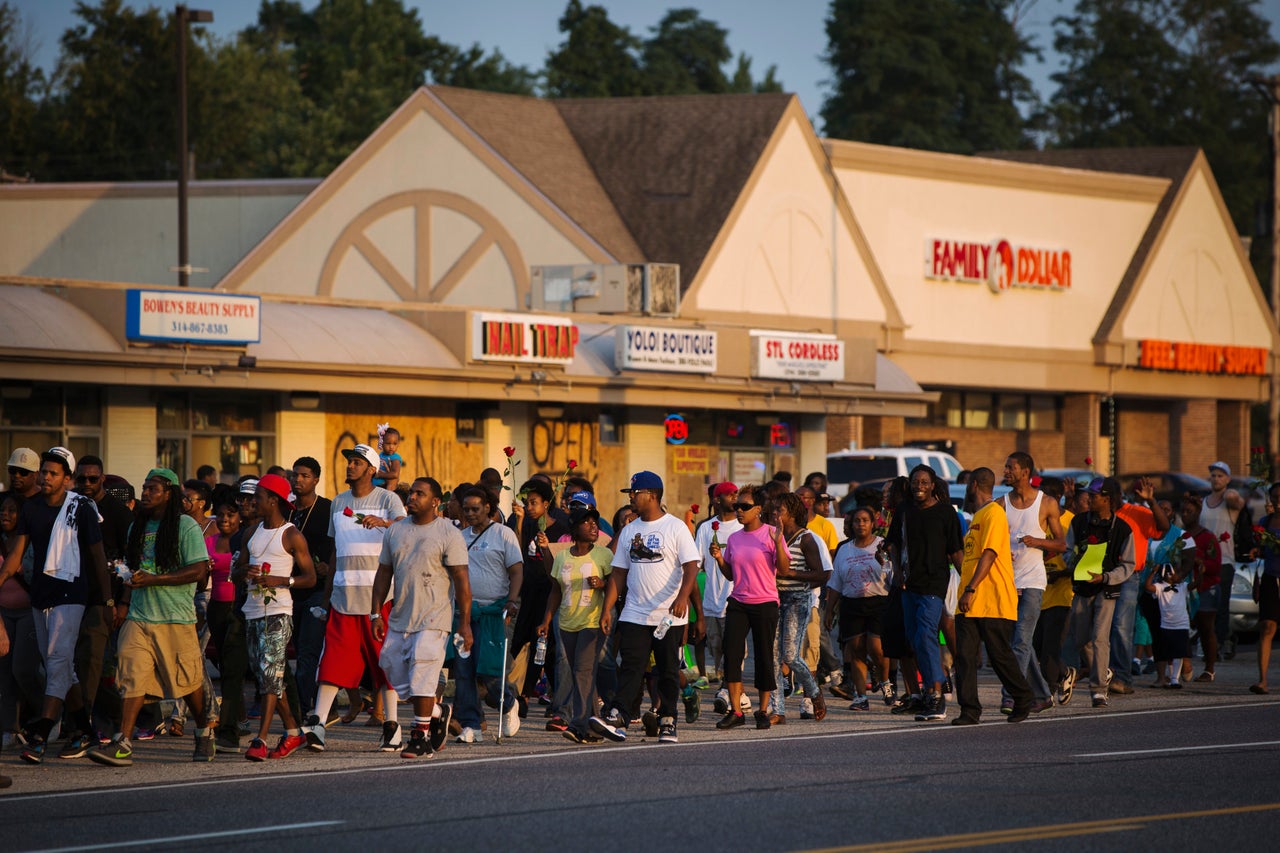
882,463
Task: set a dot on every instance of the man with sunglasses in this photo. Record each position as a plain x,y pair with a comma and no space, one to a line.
24,464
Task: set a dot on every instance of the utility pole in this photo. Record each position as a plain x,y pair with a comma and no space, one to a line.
1270,89
182,17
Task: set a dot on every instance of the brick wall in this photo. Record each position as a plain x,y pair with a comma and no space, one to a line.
843,431
1193,435
883,432
1142,436
990,447
1080,428
1233,435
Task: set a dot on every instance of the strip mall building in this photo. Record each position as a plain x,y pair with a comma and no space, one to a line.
696,285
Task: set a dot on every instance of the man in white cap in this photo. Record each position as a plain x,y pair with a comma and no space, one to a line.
1222,508
24,464
358,522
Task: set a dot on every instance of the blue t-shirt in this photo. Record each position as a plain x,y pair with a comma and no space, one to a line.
383,460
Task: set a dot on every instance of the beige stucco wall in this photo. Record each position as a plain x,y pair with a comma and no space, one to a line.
302,433
129,432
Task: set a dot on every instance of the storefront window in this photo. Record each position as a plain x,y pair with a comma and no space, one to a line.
43,416
980,410
977,411
1013,411
232,435
1042,412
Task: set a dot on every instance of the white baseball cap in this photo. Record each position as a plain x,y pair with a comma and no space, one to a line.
365,452
26,459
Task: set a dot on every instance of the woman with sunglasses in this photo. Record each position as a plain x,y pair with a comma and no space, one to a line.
752,559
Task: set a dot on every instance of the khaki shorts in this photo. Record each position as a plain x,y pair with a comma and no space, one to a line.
160,660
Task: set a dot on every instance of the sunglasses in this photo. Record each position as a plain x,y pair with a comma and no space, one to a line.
20,472
84,478
744,507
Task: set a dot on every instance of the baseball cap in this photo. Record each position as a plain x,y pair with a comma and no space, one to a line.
824,497
1222,466
725,488
581,514
643,481
1109,486
249,487
279,487
365,452
163,474
26,459
60,455
118,487
585,498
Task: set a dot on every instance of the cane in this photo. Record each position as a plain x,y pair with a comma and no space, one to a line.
502,681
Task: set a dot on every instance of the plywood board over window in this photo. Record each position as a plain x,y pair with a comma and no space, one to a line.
429,444
553,442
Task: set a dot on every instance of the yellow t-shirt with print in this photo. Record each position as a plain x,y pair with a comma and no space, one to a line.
1058,593
824,530
995,597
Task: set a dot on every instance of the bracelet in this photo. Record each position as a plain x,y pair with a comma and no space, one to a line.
373,616
969,589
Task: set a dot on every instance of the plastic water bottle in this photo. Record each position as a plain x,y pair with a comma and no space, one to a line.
320,613
540,653
459,644
663,626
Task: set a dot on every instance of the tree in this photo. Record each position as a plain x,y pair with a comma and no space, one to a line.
936,74
597,59
21,85
685,55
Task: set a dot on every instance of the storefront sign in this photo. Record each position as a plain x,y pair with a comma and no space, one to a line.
676,428
524,338
674,350
780,435
691,460
787,355
192,317
1202,358
1000,264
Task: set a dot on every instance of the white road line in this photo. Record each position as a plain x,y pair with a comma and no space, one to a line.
605,749
1176,749
203,836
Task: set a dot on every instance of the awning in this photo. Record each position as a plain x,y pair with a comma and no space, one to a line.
356,337
32,319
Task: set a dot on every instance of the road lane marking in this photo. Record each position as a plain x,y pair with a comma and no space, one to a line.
1176,749
203,836
312,773
1036,833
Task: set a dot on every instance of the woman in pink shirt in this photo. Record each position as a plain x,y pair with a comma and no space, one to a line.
751,560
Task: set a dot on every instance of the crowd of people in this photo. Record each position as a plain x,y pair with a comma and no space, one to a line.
119,607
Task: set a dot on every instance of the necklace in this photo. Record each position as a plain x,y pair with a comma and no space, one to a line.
307,518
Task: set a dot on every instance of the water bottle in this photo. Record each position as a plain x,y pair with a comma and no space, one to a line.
122,569
663,626
459,644
320,613
540,654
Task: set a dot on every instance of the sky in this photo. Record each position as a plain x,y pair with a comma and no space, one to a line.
787,33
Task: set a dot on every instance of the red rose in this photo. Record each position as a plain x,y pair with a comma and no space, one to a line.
1093,540
694,509
266,568
573,463
1259,529
347,512
715,525
1088,460
510,451
1224,536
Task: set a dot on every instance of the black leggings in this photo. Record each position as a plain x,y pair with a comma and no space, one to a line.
762,621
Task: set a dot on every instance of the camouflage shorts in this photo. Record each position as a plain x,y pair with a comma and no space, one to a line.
268,650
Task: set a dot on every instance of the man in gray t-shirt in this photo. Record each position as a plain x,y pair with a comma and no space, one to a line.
420,557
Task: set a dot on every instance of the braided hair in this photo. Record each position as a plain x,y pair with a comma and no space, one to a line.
168,557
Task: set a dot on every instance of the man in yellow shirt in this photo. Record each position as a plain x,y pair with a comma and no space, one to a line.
988,606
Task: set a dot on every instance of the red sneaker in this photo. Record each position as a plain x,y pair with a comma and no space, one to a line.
257,750
289,744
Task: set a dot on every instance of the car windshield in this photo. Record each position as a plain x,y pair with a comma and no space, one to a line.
859,469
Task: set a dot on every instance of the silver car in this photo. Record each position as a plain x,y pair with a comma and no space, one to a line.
1244,610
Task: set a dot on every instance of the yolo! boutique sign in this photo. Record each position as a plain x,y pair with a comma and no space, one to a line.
786,355
1000,264
673,350
523,338
166,316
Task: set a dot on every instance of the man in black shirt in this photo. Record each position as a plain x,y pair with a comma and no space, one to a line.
311,516
924,543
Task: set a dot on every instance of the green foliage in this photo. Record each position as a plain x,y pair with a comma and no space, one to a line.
21,85
597,58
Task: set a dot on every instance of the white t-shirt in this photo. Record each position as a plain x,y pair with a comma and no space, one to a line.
420,556
654,553
356,549
1173,605
489,555
715,595
857,572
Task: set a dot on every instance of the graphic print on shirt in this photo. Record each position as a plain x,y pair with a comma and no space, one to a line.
646,548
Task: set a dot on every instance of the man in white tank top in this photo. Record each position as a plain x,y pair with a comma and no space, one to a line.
1034,530
1221,509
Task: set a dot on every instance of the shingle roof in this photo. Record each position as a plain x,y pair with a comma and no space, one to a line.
1172,163
674,166
532,136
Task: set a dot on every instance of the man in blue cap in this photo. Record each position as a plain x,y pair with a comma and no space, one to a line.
656,565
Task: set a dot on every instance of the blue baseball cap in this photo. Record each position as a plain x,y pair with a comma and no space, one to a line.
585,498
644,481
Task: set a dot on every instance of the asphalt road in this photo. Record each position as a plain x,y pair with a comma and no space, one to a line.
1193,770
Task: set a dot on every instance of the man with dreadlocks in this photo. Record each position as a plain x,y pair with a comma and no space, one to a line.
159,655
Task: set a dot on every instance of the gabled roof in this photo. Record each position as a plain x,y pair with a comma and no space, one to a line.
674,166
1172,163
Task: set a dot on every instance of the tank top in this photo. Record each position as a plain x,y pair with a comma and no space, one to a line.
797,563
266,548
220,586
1219,520
1028,563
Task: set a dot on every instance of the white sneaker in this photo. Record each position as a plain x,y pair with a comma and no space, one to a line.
744,704
722,700
313,731
510,721
470,735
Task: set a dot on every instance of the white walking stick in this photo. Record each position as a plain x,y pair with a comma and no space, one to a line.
502,681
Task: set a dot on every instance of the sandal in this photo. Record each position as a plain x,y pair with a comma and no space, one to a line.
1258,688
174,727
354,712
1205,676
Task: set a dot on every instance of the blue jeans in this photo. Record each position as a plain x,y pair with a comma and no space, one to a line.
1122,630
921,614
793,620
1023,648
466,697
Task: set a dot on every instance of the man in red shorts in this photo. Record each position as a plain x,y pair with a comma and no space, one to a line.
358,523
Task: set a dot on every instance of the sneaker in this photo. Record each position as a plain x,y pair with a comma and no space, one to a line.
839,691
391,737
144,734
762,720
702,683
964,720
819,707
861,703
257,750
522,705
77,747
1121,687
226,743
1202,677
117,753
777,719
889,692
1109,676
612,727
175,727
510,722
580,735
313,731
1018,713
948,692
667,730
206,749
573,735
744,704
255,712
557,724
288,745
1099,700
731,721
418,746
1006,707
438,728
1135,668
806,708
1041,705
934,708
721,705
692,707
907,705
469,735
1068,682
33,752
650,722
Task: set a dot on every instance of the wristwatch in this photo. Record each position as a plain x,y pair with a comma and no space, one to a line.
969,589
290,580
373,616
111,602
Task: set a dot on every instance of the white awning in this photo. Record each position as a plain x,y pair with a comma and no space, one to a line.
32,319
358,337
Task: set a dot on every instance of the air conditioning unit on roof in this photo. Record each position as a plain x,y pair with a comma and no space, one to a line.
651,290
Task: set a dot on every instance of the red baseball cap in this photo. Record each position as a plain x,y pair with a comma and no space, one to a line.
279,487
725,488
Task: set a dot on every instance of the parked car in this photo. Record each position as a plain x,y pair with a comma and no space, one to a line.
1081,476
1169,485
883,463
1244,610
955,490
